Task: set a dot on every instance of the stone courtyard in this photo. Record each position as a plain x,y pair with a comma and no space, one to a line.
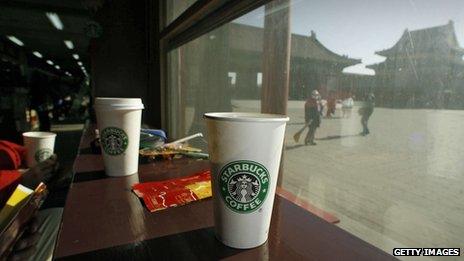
400,186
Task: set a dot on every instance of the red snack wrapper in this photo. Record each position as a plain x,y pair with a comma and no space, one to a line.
159,195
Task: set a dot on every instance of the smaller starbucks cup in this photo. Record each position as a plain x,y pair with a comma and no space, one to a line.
39,146
245,151
118,121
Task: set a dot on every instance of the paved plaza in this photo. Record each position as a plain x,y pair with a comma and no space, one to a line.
400,186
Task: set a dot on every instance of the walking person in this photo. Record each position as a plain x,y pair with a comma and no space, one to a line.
366,112
312,118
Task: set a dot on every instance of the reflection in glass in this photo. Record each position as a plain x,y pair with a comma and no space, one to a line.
388,160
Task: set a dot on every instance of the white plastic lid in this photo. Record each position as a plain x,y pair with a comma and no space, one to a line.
39,134
246,116
118,103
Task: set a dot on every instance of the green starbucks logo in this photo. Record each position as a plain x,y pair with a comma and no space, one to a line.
244,185
113,141
42,154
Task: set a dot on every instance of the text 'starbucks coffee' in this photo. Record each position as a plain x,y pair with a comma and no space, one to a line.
119,121
113,140
245,150
244,185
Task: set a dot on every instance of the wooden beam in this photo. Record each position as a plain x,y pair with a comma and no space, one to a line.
189,17
205,16
154,108
163,67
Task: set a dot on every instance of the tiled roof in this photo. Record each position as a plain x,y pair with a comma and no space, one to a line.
428,40
250,38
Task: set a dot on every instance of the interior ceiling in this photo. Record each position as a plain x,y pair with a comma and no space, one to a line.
26,20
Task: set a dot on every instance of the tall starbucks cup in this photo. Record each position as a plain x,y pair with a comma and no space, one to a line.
39,146
245,151
119,120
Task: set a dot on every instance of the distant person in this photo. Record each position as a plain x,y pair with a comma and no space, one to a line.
331,106
347,107
312,118
366,112
322,106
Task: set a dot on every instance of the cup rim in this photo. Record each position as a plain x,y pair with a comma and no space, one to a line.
113,99
117,107
114,103
39,134
246,117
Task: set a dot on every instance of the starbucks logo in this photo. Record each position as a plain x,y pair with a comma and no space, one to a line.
42,154
113,141
243,185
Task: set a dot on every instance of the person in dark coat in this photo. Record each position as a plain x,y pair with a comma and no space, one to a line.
312,118
366,112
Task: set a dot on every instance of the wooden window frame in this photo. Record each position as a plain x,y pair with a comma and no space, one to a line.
206,15
200,18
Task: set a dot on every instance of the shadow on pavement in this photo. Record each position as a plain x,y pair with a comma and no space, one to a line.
334,137
296,146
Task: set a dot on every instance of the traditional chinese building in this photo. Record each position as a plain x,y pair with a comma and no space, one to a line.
227,64
312,65
423,69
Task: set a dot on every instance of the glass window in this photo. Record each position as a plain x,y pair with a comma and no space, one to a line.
174,8
379,87
212,74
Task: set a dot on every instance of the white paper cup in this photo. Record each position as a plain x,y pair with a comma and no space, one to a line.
245,151
118,121
39,146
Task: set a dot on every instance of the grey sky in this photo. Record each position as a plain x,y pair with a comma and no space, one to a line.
358,28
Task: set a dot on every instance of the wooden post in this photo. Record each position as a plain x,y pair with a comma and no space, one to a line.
154,101
276,62
276,57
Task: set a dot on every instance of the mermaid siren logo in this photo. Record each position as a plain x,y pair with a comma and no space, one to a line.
244,185
42,154
114,141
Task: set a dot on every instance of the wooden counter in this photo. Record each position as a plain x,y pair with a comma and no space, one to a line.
104,220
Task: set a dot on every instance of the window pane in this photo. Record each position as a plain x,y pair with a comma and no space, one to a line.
387,114
215,72
174,8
